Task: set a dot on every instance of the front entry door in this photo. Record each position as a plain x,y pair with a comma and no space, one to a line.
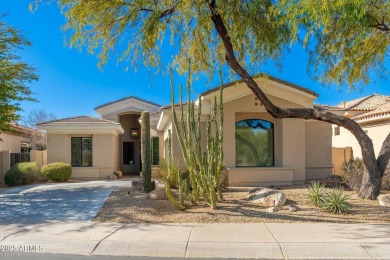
130,156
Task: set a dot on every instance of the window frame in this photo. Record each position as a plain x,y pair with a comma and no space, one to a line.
273,144
152,150
81,150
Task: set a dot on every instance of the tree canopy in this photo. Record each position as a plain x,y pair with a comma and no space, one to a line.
347,40
140,30
14,75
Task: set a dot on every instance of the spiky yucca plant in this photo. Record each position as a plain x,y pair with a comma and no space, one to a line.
336,201
316,194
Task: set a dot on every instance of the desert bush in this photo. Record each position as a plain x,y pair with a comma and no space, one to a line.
316,194
163,172
353,173
57,171
22,174
336,201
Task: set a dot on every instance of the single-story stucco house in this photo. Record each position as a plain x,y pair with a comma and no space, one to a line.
258,149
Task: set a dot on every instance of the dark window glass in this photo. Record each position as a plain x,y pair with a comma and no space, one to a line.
81,151
254,143
155,151
337,130
128,153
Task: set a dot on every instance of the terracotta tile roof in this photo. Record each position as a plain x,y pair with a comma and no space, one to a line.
21,128
381,110
90,120
126,98
367,103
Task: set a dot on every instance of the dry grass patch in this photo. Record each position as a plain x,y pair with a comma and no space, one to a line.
135,208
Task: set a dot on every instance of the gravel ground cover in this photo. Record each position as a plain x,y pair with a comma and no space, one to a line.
122,207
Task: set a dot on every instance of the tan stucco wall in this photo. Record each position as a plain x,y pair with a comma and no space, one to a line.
11,142
289,136
293,147
58,148
376,131
339,157
318,150
104,154
301,149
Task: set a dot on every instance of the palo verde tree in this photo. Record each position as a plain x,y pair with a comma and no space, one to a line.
14,75
244,34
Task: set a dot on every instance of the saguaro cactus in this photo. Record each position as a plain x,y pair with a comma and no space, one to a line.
145,152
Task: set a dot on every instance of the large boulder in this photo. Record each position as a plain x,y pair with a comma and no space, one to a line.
267,197
384,200
332,181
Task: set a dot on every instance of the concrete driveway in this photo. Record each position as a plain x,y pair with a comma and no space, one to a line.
78,201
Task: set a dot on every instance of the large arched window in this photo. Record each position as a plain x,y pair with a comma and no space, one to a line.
254,143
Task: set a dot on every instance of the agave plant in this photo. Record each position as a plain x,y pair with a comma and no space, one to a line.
316,194
336,201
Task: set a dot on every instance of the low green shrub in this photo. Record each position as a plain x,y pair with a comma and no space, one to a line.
57,171
353,173
336,201
316,194
22,174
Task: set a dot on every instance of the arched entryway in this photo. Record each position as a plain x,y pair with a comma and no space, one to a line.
129,146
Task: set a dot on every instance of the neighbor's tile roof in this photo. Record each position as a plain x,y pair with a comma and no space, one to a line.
381,110
21,128
90,120
367,103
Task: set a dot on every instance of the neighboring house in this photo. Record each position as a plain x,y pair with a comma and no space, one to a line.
372,113
17,140
13,142
258,149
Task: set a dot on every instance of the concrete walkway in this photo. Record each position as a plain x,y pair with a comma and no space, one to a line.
260,240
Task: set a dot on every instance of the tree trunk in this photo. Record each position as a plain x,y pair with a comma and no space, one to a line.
372,174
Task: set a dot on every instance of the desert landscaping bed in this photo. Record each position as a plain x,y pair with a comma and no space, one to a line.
122,207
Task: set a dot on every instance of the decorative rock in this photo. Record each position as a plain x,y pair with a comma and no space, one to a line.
136,185
293,208
332,181
267,197
157,194
384,200
272,209
118,174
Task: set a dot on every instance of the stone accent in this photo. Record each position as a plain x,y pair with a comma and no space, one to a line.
384,200
157,194
267,197
332,181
